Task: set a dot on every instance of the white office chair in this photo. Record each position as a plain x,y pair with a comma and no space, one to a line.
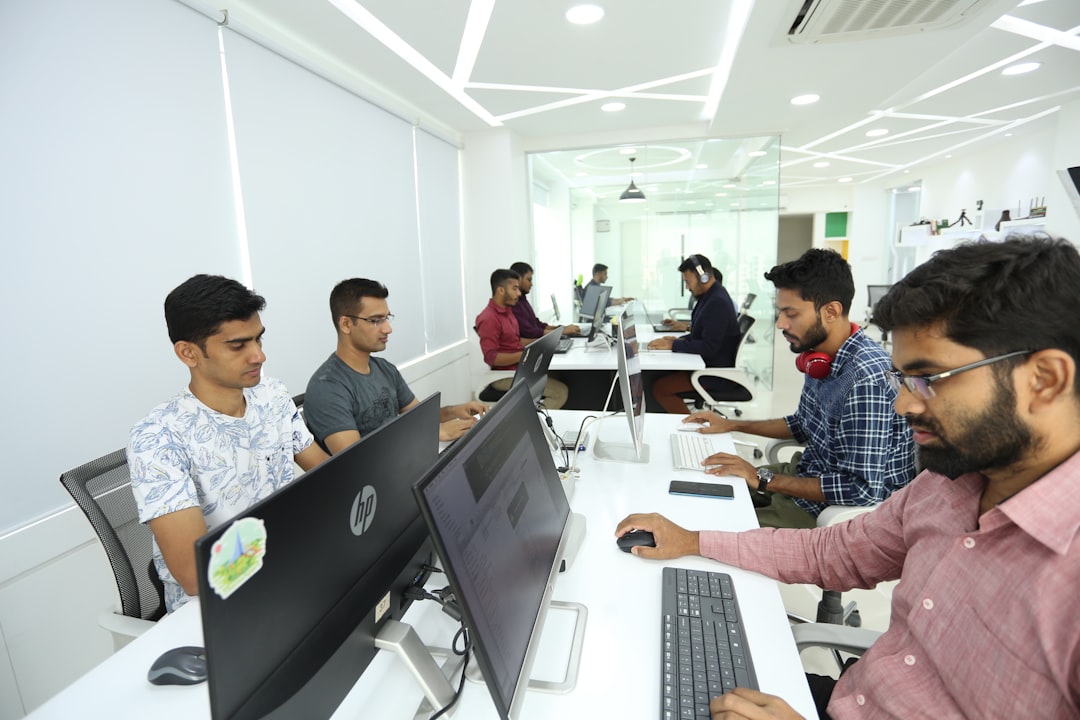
740,375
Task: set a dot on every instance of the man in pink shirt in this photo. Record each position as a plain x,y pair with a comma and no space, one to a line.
985,540
500,339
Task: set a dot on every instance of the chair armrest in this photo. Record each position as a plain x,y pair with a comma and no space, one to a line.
735,375
773,448
123,625
842,513
844,638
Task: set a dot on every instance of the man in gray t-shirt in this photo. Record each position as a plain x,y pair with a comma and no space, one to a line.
353,393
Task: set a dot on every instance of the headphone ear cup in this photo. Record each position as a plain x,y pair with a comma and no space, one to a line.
815,364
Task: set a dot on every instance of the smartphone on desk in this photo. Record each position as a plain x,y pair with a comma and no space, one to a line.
701,489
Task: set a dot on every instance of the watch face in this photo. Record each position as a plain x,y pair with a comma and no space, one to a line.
764,474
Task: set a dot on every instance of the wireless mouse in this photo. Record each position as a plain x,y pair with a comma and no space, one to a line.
179,666
635,538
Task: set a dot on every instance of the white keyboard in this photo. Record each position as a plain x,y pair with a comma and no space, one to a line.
689,449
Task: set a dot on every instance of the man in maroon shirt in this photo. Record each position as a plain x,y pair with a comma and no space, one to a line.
986,541
529,325
500,338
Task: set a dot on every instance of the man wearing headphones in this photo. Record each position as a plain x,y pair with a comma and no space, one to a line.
858,451
714,335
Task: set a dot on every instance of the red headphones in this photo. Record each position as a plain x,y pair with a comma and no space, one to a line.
817,364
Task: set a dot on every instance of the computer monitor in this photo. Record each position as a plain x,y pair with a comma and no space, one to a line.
533,366
293,590
499,518
632,388
599,305
588,303
555,308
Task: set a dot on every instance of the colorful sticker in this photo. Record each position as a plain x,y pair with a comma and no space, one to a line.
237,556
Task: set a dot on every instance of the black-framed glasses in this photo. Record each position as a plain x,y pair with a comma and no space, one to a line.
375,320
921,385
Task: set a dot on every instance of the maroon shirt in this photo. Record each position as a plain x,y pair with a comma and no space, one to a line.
499,333
528,324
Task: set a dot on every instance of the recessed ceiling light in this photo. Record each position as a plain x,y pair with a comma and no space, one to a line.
805,99
768,182
1020,68
613,106
700,166
948,156
757,153
845,179
821,163
914,188
691,202
730,185
721,194
582,174
906,172
627,151
735,204
1008,134
877,132
584,14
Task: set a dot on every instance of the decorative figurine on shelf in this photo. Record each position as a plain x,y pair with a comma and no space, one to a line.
1005,217
963,219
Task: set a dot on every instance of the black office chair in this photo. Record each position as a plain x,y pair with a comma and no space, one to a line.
102,490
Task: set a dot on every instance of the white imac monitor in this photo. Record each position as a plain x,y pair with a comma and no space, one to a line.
632,388
589,302
555,308
501,523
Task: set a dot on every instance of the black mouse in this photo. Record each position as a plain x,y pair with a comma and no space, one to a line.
179,666
635,538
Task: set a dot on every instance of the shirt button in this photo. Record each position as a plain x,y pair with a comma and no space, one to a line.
909,659
861,699
928,604
969,543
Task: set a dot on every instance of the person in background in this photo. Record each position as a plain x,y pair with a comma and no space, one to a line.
984,541
226,441
529,325
354,392
599,277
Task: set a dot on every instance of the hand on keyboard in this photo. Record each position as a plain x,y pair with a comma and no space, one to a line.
711,422
726,464
746,703
671,540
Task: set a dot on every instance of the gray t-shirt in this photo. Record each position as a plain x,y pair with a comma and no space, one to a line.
338,398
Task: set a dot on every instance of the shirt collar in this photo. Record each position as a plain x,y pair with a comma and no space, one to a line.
1046,509
501,309
847,350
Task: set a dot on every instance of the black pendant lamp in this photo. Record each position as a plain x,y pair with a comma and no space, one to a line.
632,194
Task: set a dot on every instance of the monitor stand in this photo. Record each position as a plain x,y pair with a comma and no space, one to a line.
576,612
401,639
618,452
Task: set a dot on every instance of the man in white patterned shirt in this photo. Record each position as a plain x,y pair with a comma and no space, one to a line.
226,441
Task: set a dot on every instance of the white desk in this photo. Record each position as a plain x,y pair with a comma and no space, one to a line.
581,358
620,664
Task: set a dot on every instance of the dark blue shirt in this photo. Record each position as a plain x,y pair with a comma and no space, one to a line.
714,331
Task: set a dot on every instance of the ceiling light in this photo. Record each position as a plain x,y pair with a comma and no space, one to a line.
627,151
1008,134
730,185
613,106
1020,68
948,156
914,188
700,166
734,204
769,182
757,153
721,194
632,194
584,14
691,202
805,99
877,132
582,174
844,179
821,164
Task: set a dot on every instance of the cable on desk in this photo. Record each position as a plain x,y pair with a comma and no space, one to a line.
462,632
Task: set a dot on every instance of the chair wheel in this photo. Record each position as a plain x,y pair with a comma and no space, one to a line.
758,454
853,619
738,412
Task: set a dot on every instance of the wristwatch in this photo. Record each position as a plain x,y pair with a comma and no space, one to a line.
764,475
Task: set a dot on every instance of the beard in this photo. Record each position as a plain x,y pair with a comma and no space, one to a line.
992,439
813,337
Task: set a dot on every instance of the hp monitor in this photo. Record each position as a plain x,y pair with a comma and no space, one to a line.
293,590
633,397
501,523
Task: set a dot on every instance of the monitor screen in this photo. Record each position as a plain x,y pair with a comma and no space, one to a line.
588,303
599,305
497,514
293,590
533,366
555,308
632,389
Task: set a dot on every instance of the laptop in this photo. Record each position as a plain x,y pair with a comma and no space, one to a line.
659,327
535,359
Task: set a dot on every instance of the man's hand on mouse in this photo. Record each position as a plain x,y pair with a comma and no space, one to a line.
672,541
710,422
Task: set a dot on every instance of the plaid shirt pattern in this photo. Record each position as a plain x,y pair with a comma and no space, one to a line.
859,447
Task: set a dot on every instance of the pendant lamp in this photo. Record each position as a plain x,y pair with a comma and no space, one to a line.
632,194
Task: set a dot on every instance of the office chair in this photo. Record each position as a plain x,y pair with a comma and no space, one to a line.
102,490
745,307
738,385
485,393
874,293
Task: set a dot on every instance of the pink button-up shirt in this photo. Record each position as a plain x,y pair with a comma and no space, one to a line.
985,619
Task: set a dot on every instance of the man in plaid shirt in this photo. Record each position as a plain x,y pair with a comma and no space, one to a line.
858,451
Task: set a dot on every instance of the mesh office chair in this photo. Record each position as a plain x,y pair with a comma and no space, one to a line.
734,385
874,293
102,490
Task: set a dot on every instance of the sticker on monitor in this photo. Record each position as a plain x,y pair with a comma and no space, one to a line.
237,556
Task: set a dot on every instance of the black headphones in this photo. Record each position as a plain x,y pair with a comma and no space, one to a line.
703,276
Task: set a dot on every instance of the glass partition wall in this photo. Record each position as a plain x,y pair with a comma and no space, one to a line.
715,197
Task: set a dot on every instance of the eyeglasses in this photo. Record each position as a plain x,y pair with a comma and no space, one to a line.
376,321
921,384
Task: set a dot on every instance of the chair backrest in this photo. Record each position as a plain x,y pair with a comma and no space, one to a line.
750,297
745,323
873,294
102,490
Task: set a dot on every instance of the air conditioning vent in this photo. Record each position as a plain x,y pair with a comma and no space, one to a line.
834,20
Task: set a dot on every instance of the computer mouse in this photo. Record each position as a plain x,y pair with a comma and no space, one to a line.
634,538
179,666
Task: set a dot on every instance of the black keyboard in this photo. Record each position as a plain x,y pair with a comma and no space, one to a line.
704,646
564,345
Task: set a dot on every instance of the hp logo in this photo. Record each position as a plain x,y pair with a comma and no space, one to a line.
363,510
